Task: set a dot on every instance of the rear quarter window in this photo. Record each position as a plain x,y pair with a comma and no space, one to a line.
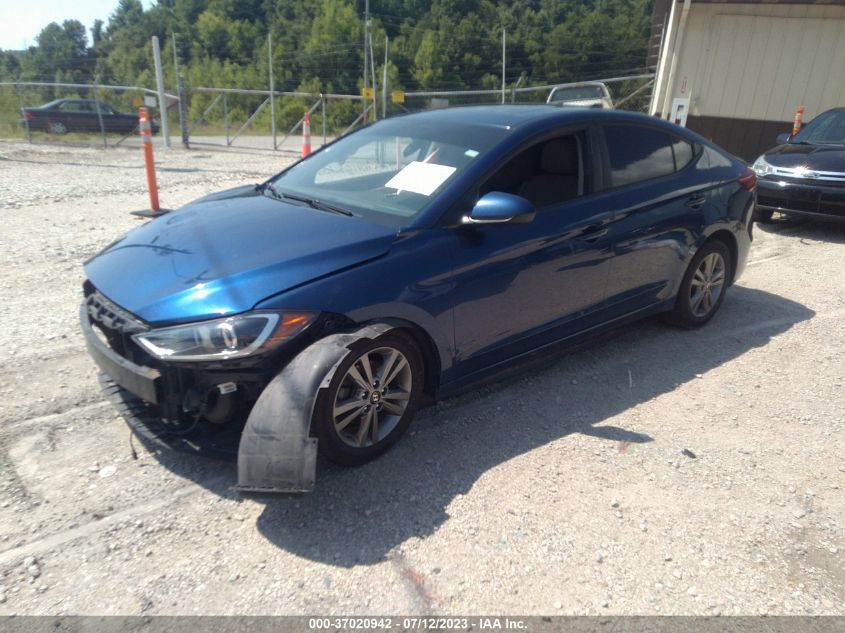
638,153
684,152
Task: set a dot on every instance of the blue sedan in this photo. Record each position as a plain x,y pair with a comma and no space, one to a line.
319,310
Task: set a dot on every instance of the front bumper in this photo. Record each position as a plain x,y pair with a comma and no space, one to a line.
139,380
802,197
150,400
152,430
170,400
135,390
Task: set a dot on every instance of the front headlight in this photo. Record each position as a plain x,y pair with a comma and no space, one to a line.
761,167
221,339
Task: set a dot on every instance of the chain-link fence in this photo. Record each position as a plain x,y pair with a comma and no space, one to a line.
631,92
235,117
74,113
261,119
226,117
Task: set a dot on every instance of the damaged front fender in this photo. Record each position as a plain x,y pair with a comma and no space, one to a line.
276,451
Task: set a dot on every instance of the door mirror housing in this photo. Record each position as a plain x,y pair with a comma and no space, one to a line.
783,138
497,207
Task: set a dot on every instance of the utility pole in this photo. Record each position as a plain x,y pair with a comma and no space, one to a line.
366,60
384,81
504,38
162,104
272,89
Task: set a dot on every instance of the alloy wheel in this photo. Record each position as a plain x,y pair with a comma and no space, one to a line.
372,397
707,284
57,128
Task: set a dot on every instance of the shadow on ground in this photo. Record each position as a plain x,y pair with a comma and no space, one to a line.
356,516
804,229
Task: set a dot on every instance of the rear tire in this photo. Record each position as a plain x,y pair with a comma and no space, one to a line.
703,286
56,127
370,401
763,215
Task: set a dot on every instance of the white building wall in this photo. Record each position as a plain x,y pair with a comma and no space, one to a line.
759,61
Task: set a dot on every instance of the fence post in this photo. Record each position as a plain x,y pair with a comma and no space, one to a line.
384,80
323,108
99,112
183,113
504,38
25,120
226,116
272,89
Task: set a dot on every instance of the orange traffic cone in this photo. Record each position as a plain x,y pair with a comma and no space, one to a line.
796,123
147,145
306,135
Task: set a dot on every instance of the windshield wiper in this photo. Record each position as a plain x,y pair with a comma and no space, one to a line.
269,186
311,202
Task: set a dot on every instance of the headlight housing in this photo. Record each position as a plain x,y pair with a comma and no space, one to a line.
761,167
222,339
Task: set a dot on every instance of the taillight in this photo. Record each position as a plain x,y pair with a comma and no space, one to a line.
748,180
27,115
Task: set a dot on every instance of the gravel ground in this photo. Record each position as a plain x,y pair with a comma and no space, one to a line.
657,472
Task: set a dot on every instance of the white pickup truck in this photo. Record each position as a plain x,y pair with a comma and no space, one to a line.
588,94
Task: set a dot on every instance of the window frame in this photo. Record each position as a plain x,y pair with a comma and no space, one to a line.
607,170
591,166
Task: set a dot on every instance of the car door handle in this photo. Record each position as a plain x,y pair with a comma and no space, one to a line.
695,201
592,233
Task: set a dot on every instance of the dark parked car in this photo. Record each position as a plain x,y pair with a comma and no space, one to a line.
401,263
79,115
805,174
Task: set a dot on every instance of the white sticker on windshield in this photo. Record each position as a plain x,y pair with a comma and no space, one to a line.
422,178
471,153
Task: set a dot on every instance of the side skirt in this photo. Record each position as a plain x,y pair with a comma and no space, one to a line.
569,343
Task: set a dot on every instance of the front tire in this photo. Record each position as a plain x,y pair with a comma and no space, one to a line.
370,401
703,287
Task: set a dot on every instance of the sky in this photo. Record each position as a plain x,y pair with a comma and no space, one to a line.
22,20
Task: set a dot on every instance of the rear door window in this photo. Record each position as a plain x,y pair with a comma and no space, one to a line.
637,153
72,106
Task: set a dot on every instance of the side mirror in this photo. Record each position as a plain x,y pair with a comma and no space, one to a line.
783,138
501,208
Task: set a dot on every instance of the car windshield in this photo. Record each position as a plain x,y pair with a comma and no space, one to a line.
826,129
577,93
390,171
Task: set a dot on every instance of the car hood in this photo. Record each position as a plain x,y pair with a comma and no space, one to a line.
225,253
811,157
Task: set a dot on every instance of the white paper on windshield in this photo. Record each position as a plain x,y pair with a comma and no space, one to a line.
422,178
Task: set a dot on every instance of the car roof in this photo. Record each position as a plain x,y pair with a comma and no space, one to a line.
578,84
515,116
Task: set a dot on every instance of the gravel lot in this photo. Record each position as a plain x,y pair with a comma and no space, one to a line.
564,491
